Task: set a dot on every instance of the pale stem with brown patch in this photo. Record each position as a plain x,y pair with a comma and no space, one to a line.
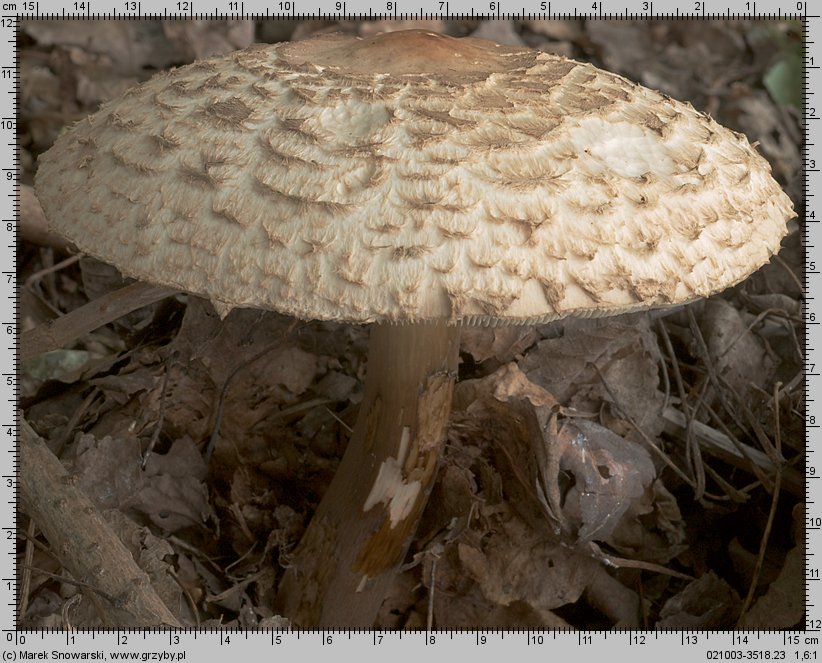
344,565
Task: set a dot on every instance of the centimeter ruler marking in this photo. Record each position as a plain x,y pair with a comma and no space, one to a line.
8,362
391,9
12,12
809,233
419,14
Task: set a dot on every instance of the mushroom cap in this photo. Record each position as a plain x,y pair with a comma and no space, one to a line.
412,176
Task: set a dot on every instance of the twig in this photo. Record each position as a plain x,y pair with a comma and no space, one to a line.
650,442
31,280
36,289
239,560
25,585
766,535
790,271
347,428
669,348
111,306
429,621
643,612
218,418
759,432
86,546
749,328
733,451
71,581
299,407
60,442
756,467
721,386
699,488
32,224
191,602
787,473
237,512
692,448
666,380
731,492
66,610
158,427
623,563
68,429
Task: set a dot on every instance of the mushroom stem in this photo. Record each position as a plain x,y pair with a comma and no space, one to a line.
343,567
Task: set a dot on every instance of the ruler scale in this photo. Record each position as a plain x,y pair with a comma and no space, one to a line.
211,644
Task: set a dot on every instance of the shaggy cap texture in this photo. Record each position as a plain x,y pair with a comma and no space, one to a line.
412,176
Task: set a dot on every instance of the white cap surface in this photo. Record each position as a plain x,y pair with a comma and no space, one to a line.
413,176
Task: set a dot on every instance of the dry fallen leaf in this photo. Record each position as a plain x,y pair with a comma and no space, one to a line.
501,343
203,38
516,563
613,360
173,494
783,605
610,473
130,46
706,603
652,529
108,469
736,353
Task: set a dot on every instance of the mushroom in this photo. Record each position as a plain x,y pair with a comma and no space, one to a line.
419,183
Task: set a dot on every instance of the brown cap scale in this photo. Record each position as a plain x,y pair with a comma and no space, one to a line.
408,178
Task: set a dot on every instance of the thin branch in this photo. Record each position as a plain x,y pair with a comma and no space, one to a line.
155,436
108,308
218,418
86,546
37,276
766,535
25,585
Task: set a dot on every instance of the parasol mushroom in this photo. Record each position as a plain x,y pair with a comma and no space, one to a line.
417,182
